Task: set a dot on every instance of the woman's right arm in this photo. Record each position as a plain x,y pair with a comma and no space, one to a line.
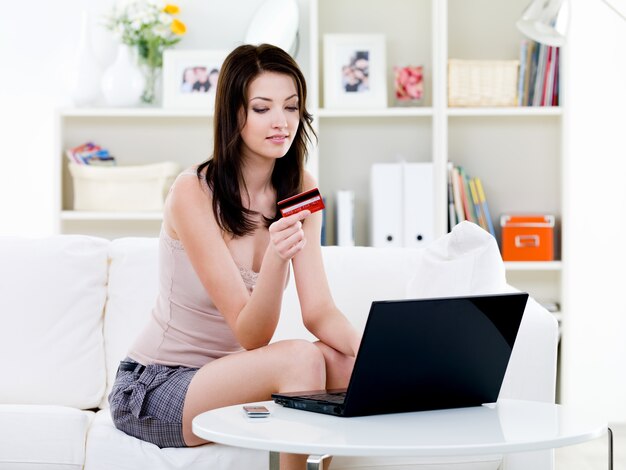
251,316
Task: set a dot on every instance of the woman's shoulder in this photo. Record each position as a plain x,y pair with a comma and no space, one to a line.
189,200
189,188
189,180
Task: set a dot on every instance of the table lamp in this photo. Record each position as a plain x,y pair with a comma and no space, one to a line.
545,21
276,22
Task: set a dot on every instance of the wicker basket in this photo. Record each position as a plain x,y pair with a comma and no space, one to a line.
482,82
125,188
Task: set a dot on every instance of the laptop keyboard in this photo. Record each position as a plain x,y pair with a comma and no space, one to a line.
337,397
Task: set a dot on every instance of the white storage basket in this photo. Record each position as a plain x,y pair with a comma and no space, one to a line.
123,188
482,82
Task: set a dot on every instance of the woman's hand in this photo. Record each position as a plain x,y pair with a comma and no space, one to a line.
287,236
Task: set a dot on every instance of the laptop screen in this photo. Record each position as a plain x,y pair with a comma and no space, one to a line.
434,353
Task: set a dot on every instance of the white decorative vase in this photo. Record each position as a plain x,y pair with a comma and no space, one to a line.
123,82
84,85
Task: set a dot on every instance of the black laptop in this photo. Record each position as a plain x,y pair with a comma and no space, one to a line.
425,354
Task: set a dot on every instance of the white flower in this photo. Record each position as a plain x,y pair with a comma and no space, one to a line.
165,19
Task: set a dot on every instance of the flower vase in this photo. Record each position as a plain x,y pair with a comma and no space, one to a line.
84,86
152,77
123,82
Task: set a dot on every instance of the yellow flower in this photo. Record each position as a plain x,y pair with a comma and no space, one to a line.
178,27
171,9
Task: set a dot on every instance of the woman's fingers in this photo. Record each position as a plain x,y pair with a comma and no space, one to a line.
287,235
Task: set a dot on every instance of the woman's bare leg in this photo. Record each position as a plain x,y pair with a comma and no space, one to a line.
338,366
251,376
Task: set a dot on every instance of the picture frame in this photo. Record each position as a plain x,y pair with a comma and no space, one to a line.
355,71
190,78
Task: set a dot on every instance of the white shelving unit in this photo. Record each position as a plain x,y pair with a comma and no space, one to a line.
515,151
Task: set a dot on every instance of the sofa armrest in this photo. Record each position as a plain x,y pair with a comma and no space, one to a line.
531,374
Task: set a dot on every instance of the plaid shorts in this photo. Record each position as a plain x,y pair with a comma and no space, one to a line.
147,402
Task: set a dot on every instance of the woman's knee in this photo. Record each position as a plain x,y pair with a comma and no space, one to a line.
304,357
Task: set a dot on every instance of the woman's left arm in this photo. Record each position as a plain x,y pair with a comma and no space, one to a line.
319,312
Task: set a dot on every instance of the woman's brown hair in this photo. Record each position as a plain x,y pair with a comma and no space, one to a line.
223,170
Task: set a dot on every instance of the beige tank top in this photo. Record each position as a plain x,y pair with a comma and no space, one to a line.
185,328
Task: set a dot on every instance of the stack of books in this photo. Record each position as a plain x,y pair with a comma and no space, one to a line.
538,82
466,199
90,154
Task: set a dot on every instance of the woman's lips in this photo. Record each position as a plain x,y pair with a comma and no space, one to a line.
278,139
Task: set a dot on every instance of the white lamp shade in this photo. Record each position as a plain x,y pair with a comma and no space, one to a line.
618,6
276,23
545,21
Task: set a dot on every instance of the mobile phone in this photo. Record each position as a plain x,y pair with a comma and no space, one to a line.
256,411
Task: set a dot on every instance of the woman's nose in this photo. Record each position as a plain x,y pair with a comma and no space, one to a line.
280,121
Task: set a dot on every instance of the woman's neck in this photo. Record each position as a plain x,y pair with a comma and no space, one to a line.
257,192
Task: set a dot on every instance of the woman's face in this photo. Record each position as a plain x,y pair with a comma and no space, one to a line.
273,116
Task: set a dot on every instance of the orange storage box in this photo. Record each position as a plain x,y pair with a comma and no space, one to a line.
527,237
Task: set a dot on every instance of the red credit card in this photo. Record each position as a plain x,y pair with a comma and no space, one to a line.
310,200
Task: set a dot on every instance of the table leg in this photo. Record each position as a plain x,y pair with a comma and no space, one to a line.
274,460
315,462
610,436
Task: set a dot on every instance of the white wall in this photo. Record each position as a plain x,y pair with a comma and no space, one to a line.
37,45
594,345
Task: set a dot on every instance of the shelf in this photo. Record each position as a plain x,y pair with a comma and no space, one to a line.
135,112
507,111
385,112
533,265
90,216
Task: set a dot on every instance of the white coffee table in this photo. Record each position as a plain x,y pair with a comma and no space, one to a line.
509,426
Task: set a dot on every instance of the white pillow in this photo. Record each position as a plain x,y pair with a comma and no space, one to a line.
465,261
133,283
52,296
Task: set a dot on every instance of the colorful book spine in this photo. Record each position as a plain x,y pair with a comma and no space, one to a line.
466,199
485,207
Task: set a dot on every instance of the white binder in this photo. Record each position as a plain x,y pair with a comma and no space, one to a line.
386,205
344,222
419,204
402,204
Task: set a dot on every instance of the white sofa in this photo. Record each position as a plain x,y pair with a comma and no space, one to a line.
70,306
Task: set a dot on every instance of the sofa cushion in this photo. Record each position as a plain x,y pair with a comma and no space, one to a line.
52,297
133,279
465,261
40,436
131,453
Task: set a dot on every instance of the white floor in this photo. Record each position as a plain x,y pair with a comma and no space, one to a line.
593,455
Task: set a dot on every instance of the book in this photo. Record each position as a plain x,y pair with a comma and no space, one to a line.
522,72
539,75
452,219
468,205
555,86
90,154
477,207
456,190
471,205
485,207
528,69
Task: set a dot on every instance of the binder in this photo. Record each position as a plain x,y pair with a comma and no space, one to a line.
419,210
402,204
386,205
344,218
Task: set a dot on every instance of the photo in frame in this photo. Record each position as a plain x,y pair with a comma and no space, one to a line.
355,71
190,78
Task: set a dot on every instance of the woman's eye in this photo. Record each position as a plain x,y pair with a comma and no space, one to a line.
292,108
259,110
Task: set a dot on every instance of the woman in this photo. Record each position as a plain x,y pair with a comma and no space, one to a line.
225,257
